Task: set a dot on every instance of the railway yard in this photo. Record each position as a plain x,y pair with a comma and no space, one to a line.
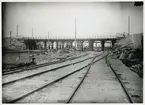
72,52
87,77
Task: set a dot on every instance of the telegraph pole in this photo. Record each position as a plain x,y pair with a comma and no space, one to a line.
128,25
32,32
10,39
17,30
48,40
75,36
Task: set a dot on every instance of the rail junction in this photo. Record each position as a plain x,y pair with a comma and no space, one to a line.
38,84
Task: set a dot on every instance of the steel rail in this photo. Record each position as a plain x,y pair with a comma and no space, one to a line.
12,71
46,71
78,86
120,81
48,84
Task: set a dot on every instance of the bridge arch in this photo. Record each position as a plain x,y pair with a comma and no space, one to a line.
108,43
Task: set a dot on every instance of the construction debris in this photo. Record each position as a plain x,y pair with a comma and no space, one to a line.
130,56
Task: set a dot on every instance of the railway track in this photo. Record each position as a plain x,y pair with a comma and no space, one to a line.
21,69
75,90
45,71
93,60
128,96
120,81
47,84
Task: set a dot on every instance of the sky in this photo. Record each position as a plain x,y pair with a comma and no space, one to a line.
92,19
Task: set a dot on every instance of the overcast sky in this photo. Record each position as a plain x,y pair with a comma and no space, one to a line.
59,19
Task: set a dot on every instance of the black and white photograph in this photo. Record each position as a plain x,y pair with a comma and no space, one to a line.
72,52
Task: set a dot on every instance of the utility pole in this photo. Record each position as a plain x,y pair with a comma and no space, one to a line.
17,30
128,25
75,36
32,38
10,39
48,40
32,32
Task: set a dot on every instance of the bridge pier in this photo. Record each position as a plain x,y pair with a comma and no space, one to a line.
113,42
56,45
95,44
102,44
71,44
49,47
91,45
62,45
80,43
59,46
52,46
67,46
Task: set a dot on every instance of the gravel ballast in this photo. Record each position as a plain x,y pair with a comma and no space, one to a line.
11,77
100,86
130,79
20,88
56,93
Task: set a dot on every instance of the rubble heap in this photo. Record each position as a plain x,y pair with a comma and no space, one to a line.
130,55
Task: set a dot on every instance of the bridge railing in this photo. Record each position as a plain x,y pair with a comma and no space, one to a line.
67,37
